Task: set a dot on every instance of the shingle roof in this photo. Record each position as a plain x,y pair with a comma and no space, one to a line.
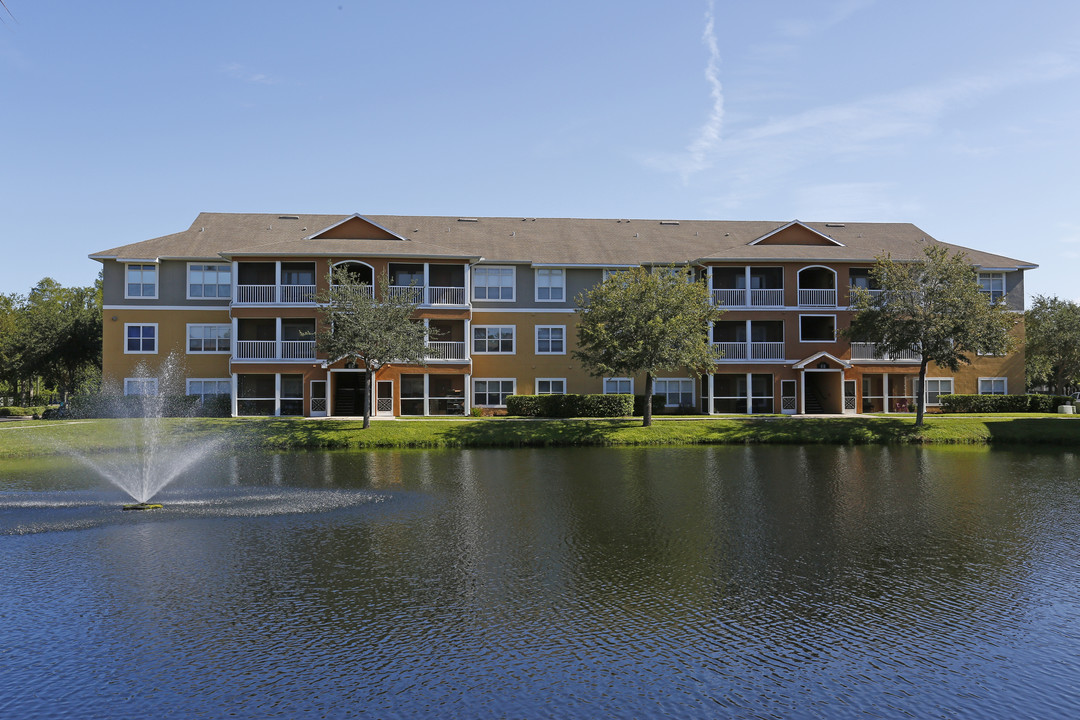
563,241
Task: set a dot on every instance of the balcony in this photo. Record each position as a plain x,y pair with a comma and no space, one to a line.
817,297
743,351
446,350
269,294
274,350
766,297
869,351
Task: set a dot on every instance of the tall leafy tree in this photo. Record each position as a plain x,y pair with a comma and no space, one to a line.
369,329
934,306
646,321
1052,329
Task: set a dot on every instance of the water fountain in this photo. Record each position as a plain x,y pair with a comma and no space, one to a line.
154,456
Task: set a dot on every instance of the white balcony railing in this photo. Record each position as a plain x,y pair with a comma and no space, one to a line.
738,297
263,294
767,297
817,297
297,293
445,350
749,351
869,351
273,350
731,298
446,295
255,349
256,293
411,293
297,349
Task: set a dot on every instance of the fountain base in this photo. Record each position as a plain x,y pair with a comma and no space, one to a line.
143,506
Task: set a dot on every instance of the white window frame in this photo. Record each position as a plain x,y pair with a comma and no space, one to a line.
202,395
513,340
613,272
834,329
676,380
938,380
991,276
157,280
536,339
157,339
131,384
219,268
513,390
224,326
609,391
1004,385
479,271
536,387
551,274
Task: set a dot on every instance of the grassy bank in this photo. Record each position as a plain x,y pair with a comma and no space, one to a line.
23,439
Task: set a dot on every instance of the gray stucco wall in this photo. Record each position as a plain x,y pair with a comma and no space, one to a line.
172,286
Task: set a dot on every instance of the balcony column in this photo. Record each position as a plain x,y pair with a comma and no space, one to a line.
234,386
709,381
233,282
749,343
885,390
277,285
425,300
277,338
749,297
468,339
468,282
468,395
427,391
427,326
802,391
277,394
749,394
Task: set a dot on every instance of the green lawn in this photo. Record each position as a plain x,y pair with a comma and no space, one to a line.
28,438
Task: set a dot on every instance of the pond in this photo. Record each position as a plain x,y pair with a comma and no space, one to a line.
689,582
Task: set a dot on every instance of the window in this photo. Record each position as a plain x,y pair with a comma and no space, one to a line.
678,391
209,387
291,401
141,281
993,284
209,281
615,273
993,386
208,338
817,328
140,386
550,386
550,284
936,387
493,339
492,282
140,338
618,386
550,339
492,392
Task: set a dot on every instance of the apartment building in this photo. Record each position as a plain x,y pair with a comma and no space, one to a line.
234,296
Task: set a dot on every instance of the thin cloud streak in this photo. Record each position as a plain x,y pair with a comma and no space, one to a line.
238,72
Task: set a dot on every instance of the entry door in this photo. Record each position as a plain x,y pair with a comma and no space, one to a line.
849,396
788,401
318,398
384,392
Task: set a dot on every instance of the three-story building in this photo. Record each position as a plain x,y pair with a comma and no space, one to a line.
234,295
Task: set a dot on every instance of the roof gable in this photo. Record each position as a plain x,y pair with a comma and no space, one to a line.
822,357
355,227
796,233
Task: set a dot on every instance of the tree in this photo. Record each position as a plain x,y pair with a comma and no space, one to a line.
373,331
934,306
641,321
1053,343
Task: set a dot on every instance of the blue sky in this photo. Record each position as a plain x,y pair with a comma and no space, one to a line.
122,120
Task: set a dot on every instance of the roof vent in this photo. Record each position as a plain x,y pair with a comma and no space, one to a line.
288,217
468,219
835,225
669,222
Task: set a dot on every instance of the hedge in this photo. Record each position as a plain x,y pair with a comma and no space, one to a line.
1002,403
133,406
570,405
13,411
659,403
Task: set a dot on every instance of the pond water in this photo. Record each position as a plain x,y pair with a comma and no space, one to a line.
691,582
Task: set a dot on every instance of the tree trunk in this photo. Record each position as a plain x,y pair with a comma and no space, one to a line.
647,410
920,394
367,394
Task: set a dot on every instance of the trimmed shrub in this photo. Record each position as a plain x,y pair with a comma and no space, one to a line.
13,411
134,406
560,406
1002,403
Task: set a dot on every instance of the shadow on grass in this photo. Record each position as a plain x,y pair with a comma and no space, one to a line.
819,431
1041,431
536,433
